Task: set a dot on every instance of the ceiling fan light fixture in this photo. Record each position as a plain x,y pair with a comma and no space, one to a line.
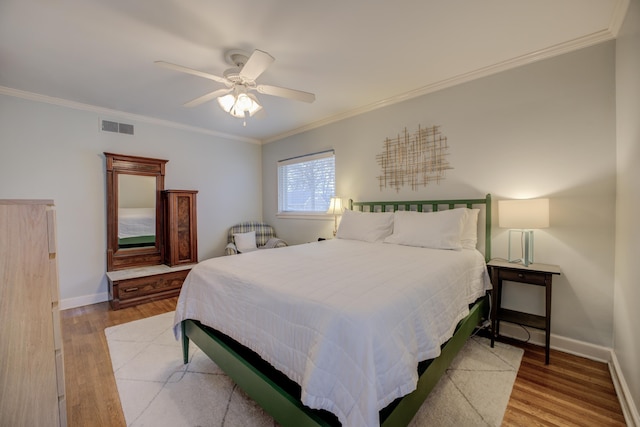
235,98
240,105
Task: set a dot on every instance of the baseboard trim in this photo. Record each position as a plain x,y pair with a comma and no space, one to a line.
564,344
68,303
629,409
589,351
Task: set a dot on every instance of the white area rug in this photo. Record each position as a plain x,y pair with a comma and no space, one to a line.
157,389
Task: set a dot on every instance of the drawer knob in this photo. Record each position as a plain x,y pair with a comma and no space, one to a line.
131,289
520,275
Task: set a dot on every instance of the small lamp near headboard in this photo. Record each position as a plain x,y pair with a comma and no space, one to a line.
522,216
336,207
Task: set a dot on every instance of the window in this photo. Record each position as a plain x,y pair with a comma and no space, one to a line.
306,184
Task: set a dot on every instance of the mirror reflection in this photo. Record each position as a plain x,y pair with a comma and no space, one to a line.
136,211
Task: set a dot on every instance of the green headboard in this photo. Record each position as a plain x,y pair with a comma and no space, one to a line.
433,206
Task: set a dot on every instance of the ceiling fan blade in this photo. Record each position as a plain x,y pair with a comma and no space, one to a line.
187,70
283,92
208,97
256,64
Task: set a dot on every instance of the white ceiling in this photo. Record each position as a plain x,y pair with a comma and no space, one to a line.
355,55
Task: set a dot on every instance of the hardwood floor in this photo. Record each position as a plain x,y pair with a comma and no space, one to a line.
570,391
93,397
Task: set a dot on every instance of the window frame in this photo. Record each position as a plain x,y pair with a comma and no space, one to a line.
296,160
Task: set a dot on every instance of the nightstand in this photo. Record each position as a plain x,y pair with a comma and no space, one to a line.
533,274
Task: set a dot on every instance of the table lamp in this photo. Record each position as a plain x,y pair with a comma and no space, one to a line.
522,216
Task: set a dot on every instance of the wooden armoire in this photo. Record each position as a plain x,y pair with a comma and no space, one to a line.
156,267
181,234
32,390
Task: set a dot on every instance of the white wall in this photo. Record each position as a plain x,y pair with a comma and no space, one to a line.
627,285
54,152
546,129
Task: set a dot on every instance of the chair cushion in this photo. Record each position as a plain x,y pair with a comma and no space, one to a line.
245,242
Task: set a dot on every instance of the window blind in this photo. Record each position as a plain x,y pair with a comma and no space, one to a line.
306,183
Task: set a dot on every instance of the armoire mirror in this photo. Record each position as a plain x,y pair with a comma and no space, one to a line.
134,211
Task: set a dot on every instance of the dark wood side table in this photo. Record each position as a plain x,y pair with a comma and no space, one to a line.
533,274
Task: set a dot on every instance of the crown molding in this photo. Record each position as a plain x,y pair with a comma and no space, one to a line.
111,113
610,33
585,41
617,18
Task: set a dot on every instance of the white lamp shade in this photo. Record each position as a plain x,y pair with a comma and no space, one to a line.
523,214
335,206
226,102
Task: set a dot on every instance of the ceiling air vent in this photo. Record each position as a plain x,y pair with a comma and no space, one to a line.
109,126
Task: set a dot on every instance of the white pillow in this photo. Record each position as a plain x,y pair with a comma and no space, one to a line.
366,226
469,238
245,242
439,230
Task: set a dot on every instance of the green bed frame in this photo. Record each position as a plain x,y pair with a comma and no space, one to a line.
280,397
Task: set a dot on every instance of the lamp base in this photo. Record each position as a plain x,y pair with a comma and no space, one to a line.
526,247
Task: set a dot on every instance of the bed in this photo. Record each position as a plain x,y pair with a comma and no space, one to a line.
360,327
136,227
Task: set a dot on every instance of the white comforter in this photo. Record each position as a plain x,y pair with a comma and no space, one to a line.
133,222
347,320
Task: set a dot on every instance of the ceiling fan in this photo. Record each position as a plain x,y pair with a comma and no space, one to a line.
240,80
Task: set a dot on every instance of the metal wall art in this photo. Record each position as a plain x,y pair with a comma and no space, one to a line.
414,159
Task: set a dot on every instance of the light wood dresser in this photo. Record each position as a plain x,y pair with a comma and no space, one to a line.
32,391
